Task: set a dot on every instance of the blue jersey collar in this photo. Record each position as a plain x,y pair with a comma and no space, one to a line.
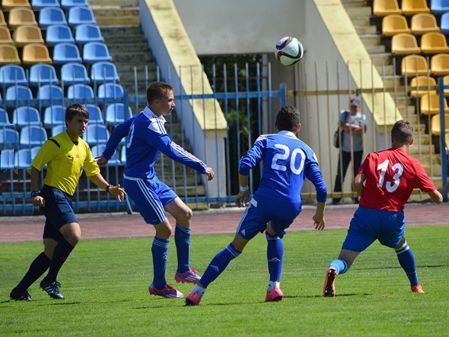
151,115
287,134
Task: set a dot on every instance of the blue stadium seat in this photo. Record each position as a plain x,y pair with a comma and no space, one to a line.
439,6
74,73
110,91
96,134
9,139
81,15
96,52
51,16
49,95
40,4
25,116
88,33
102,72
65,53
56,130
11,75
7,159
67,4
117,113
94,114
54,115
445,23
32,136
123,155
97,150
22,159
4,120
59,34
80,91
18,95
43,74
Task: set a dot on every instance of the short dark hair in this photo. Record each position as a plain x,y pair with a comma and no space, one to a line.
75,109
401,133
287,118
157,90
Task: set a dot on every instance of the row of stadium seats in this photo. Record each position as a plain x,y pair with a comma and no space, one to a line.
415,65
409,7
431,43
39,4
420,24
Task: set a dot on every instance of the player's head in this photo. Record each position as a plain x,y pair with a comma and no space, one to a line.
401,134
160,98
288,119
76,118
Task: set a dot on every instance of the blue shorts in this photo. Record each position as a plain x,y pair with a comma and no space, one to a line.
58,211
262,211
150,197
368,225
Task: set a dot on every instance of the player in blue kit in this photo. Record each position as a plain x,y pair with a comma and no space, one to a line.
276,203
147,136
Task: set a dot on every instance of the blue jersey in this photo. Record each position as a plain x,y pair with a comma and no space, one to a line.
120,131
147,136
286,162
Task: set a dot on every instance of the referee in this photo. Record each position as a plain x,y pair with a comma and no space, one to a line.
66,155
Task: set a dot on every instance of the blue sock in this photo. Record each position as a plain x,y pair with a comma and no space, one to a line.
407,262
340,266
275,256
160,252
182,241
218,265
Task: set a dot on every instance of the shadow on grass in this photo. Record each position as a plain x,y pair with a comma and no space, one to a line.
59,303
399,267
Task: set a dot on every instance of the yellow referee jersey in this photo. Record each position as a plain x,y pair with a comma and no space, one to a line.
65,161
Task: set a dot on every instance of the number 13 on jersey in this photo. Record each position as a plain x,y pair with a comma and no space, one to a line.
398,171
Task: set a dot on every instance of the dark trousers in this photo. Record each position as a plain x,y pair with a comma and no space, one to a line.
346,158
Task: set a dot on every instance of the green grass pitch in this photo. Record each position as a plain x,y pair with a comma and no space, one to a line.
105,283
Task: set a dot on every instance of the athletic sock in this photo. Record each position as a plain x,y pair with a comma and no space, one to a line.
60,255
275,256
272,285
199,290
37,268
182,241
218,265
407,262
159,250
340,266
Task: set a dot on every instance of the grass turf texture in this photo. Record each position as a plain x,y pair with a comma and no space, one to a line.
105,284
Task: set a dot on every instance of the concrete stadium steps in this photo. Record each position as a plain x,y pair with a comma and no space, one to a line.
116,12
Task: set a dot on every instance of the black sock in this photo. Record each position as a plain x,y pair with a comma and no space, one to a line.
37,268
62,252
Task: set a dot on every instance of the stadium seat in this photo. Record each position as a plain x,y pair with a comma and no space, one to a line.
80,91
56,130
104,72
42,74
12,75
404,44
422,85
96,52
439,6
59,34
35,53
444,24
32,136
410,7
26,116
430,104
9,54
9,139
21,17
432,43
439,64
52,16
424,23
414,65
385,7
54,115
116,113
40,4
50,94
5,35
435,124
94,114
446,83
98,150
18,95
88,33
2,19
4,120
81,15
8,5
123,155
110,91
22,159
67,4
96,134
74,73
28,34
7,159
65,53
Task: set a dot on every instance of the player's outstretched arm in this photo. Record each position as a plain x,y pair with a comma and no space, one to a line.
318,219
36,200
358,183
436,196
243,197
116,191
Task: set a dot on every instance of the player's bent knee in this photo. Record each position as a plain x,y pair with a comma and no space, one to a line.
163,231
401,244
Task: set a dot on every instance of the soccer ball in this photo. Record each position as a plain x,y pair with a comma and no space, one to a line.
289,50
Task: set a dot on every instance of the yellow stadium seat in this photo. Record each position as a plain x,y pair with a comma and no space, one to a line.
422,85
410,7
432,43
7,5
414,65
424,23
447,139
385,7
28,34
21,17
439,64
446,82
435,125
430,104
5,36
394,24
404,44
35,53
2,19
8,54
